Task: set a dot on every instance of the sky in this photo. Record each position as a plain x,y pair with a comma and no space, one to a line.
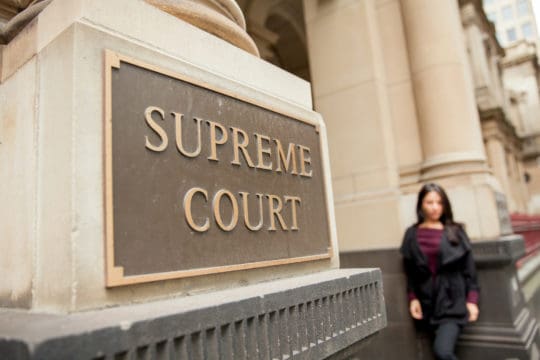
536,9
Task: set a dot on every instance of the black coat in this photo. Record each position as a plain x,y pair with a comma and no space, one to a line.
444,297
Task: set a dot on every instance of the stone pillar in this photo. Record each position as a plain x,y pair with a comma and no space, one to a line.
517,181
484,54
17,14
448,118
497,159
400,93
523,193
350,90
503,147
449,124
52,146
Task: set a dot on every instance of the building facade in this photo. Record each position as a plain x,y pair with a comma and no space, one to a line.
411,91
517,32
514,20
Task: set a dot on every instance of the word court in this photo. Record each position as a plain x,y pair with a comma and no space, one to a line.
212,138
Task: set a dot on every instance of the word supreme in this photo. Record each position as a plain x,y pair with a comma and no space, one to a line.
270,154
267,153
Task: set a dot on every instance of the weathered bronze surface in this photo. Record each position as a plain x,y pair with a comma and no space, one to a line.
177,203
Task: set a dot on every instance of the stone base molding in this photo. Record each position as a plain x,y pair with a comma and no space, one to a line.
507,328
305,317
452,164
518,340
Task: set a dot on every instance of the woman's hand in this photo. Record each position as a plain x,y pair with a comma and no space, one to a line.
416,309
473,311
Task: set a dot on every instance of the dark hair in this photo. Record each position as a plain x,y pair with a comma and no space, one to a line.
447,218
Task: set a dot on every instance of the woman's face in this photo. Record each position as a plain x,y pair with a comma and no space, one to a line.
432,206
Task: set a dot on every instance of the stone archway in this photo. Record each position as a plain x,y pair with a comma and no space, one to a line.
278,28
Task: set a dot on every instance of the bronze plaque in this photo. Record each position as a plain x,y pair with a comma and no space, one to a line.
199,181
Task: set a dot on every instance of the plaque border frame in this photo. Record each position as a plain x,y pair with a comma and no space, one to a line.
114,275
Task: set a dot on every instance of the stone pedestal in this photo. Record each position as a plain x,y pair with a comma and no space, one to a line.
55,78
308,317
53,133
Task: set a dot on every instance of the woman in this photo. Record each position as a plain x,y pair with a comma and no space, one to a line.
441,276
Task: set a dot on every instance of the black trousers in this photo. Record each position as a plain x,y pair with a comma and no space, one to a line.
444,343
441,339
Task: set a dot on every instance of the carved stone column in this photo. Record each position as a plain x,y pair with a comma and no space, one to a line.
18,13
222,18
449,124
10,8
